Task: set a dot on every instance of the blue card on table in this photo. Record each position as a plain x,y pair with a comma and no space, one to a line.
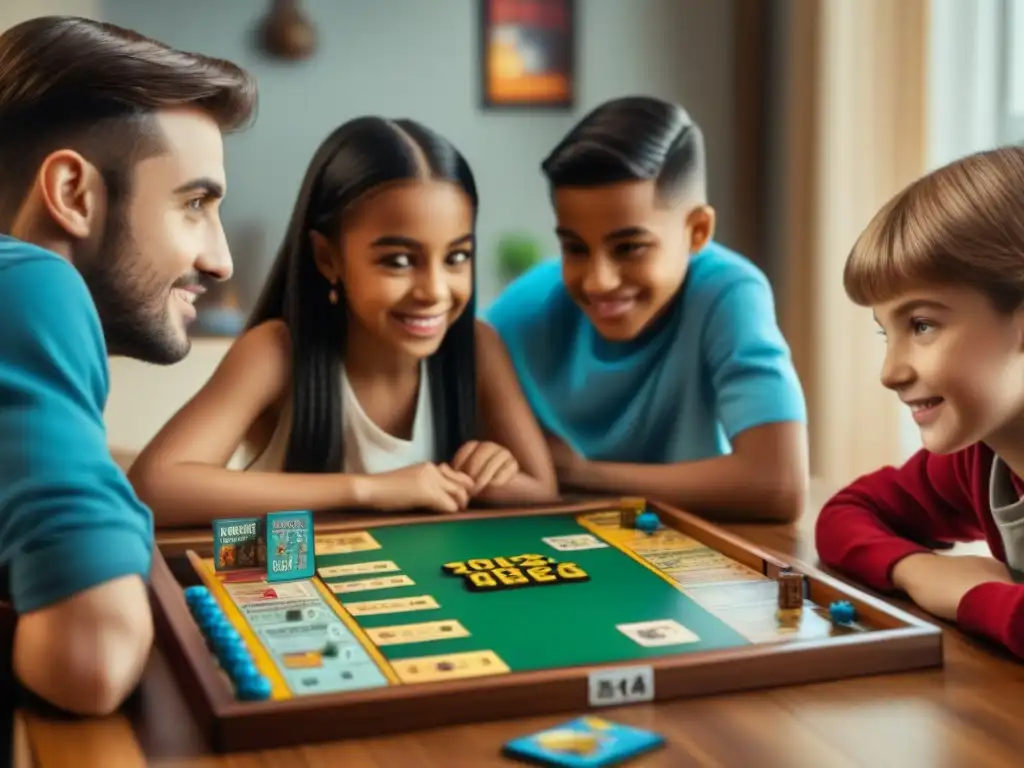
238,543
587,742
290,546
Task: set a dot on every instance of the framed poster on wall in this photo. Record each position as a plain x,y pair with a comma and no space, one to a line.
528,53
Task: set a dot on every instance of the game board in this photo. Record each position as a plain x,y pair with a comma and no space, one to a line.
575,611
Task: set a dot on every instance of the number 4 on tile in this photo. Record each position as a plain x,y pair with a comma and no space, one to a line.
625,685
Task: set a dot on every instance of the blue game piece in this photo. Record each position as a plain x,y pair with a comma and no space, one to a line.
209,618
227,637
224,634
196,593
213,626
842,612
254,688
647,522
203,605
242,670
232,656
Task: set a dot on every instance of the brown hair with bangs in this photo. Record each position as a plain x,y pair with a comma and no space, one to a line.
962,224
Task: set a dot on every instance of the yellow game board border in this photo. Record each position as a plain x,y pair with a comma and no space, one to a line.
603,532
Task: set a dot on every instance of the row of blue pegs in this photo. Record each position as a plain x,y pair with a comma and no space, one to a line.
232,655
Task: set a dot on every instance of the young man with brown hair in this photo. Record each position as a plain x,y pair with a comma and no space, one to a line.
942,266
112,154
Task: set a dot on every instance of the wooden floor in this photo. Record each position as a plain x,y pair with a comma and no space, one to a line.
967,714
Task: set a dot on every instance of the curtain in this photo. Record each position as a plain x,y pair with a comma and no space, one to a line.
848,130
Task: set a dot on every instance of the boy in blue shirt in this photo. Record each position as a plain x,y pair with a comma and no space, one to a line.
650,353
112,154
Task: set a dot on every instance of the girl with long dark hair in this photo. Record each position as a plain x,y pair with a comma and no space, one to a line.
363,378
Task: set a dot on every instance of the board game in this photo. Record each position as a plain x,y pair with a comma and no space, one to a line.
418,622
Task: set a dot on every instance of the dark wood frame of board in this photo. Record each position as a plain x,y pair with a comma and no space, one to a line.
899,642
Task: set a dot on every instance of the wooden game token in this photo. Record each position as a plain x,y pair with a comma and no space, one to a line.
791,590
631,508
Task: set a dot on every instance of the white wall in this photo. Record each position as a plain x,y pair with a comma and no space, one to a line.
16,11
144,397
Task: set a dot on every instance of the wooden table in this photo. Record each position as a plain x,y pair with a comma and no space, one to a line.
967,714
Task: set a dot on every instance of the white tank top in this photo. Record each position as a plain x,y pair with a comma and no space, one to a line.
367,448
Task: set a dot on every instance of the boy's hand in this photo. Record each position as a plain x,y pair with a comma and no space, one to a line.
938,583
489,464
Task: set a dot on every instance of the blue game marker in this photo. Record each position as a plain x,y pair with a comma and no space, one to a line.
233,656
647,522
242,670
842,612
587,742
223,635
196,594
254,688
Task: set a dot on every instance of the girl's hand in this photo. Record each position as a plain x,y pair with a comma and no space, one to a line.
488,464
436,487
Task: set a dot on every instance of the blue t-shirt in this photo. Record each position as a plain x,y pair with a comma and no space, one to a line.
69,519
716,366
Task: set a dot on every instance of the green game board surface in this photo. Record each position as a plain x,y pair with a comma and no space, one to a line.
536,627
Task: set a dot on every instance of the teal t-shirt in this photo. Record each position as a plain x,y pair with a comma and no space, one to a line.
716,365
69,519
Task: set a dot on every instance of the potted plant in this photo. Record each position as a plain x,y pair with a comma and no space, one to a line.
518,253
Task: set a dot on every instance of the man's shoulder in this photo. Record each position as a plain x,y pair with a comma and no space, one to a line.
24,264
48,314
39,284
717,268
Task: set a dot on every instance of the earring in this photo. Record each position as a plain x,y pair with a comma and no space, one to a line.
332,295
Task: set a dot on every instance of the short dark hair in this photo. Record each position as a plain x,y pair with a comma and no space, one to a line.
634,138
93,87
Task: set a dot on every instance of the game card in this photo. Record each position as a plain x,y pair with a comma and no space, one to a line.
262,591
288,538
450,666
392,605
702,565
357,569
653,634
608,519
586,742
665,540
574,542
364,585
417,633
343,543
239,543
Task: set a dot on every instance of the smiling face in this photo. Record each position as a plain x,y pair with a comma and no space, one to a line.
957,363
405,262
625,252
159,245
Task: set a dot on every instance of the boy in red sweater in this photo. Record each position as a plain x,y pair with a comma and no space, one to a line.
942,266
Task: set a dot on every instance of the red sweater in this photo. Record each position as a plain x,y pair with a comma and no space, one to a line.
869,526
